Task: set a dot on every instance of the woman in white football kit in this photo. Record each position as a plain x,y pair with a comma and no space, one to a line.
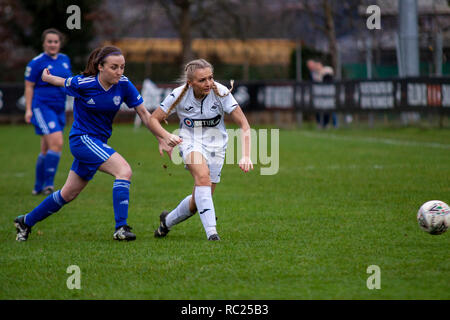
200,105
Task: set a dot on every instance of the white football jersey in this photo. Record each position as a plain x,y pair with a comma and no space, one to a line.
202,121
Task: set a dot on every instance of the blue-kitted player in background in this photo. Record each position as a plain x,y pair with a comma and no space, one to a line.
98,92
45,108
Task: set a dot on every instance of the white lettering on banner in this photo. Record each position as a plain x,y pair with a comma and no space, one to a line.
374,102
241,95
324,96
446,95
307,95
356,96
342,94
324,90
377,95
298,95
399,93
277,97
378,87
417,94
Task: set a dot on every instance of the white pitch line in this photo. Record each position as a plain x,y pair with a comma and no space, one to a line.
379,140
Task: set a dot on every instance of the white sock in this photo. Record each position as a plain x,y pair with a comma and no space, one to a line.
205,208
180,213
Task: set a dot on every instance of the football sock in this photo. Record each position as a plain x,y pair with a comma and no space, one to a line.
121,197
180,213
51,165
50,205
205,207
40,172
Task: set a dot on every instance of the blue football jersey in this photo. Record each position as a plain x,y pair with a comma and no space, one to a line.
44,91
94,107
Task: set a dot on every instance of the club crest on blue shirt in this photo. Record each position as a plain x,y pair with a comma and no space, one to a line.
116,100
65,65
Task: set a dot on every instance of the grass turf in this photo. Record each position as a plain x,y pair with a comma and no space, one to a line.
341,201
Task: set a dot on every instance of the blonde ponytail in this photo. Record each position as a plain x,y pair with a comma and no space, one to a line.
177,101
216,91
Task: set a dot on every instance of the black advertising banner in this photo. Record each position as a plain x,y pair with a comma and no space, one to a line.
410,94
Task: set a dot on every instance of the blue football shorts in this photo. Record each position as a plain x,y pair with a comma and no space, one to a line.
89,153
46,120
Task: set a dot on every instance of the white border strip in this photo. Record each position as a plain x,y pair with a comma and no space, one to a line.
94,148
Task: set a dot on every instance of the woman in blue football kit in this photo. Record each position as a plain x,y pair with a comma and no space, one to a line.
45,108
98,93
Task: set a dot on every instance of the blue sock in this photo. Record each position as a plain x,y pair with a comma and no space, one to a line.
40,172
51,165
50,205
121,196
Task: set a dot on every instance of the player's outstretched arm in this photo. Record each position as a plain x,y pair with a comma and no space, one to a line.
239,118
166,140
53,80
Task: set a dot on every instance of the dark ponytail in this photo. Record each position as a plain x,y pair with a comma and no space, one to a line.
97,57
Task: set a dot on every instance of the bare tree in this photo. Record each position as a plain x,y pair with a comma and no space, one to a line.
185,17
327,16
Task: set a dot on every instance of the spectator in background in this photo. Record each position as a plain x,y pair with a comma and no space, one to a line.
321,73
45,108
327,73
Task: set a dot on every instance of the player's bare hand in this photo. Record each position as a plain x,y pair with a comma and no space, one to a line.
163,146
245,164
45,75
172,140
28,115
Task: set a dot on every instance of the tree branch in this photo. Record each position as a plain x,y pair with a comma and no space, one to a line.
167,8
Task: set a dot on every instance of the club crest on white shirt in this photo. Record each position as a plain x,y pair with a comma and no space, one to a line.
188,122
116,100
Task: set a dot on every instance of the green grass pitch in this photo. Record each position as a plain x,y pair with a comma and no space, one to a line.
342,200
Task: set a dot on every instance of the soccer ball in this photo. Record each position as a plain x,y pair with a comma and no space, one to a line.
434,217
